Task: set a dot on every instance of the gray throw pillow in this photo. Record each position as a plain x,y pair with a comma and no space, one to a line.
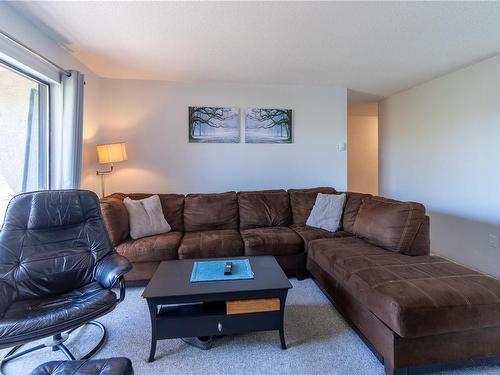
327,212
146,217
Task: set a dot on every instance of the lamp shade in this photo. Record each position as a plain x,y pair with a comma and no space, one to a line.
111,153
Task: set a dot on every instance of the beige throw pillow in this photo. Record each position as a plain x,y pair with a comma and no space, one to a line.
327,212
146,217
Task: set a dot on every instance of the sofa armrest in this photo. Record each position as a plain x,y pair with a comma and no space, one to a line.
115,216
110,269
422,243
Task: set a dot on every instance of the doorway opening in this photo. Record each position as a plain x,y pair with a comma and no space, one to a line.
362,147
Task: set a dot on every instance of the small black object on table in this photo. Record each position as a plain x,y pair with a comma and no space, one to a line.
180,308
228,268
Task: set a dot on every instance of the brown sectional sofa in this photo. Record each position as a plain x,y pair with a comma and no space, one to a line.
270,222
415,311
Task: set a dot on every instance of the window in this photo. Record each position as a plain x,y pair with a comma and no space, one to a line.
24,145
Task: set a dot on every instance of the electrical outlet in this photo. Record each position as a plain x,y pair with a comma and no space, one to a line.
493,241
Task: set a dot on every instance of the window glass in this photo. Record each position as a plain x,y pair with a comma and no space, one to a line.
23,135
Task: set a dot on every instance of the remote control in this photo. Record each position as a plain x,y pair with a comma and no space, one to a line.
228,268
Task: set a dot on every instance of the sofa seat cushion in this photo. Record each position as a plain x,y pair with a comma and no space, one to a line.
309,234
211,244
151,249
271,241
415,296
330,253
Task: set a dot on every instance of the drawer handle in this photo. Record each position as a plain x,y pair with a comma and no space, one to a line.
219,327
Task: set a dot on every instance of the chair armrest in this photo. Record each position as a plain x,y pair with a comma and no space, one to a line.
110,269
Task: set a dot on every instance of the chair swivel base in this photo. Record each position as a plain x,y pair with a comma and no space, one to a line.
204,342
56,342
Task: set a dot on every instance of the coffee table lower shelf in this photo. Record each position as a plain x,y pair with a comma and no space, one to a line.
216,318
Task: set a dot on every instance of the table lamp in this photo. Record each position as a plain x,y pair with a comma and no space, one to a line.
108,154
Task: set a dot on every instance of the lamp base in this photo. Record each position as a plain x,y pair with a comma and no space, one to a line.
102,174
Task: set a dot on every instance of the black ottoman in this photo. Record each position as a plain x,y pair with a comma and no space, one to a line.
111,366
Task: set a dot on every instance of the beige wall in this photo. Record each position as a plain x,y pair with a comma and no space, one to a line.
152,118
439,145
362,154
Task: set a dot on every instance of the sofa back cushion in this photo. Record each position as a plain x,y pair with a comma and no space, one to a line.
351,208
146,217
302,202
116,216
172,206
267,208
389,224
210,211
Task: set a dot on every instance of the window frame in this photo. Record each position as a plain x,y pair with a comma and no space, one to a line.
45,89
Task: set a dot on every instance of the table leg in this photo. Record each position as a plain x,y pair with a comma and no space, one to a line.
282,321
282,339
153,314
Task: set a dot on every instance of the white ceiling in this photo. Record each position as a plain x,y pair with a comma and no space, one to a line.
377,48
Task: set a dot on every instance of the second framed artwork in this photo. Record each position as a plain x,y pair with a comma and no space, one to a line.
268,125
223,125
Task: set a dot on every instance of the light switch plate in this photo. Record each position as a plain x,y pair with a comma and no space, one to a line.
342,146
493,241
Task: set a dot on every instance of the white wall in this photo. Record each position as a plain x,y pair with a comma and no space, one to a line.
362,154
151,117
440,145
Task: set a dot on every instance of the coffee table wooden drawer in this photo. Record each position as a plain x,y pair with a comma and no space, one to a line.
214,325
249,306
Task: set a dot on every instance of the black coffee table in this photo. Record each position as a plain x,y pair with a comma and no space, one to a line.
179,308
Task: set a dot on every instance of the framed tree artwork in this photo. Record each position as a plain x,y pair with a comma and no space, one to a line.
214,125
268,125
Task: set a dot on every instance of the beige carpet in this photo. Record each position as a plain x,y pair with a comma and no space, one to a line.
319,342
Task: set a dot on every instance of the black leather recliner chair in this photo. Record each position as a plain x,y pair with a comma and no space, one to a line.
57,268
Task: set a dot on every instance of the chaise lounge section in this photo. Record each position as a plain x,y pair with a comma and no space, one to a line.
418,312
